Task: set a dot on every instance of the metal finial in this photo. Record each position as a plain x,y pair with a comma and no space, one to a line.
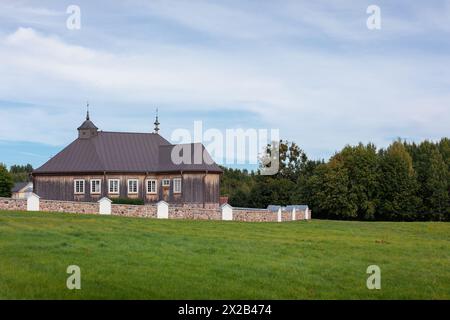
156,123
87,107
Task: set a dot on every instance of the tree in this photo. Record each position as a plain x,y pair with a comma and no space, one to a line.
362,165
330,194
303,193
432,175
270,190
398,184
444,149
292,159
6,182
236,185
21,173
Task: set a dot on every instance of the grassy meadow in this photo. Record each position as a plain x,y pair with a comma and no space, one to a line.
132,258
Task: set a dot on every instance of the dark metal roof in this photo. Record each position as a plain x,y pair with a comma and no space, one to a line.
119,152
20,185
197,160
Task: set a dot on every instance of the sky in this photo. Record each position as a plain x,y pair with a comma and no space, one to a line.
312,69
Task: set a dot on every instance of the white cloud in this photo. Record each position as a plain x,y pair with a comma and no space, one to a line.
18,12
320,96
167,73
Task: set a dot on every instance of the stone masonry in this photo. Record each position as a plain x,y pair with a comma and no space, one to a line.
152,211
13,204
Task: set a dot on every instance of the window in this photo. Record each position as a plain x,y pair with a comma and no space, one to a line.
177,185
151,186
78,186
132,186
96,186
166,182
113,186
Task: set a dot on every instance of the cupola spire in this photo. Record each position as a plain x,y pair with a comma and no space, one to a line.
156,123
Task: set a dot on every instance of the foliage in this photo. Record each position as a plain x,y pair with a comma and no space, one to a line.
237,184
398,185
267,189
363,167
292,160
21,173
330,195
404,182
432,175
6,182
128,201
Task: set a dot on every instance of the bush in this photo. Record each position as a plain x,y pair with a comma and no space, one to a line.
138,202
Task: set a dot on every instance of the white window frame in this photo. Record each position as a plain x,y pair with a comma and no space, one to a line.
148,183
164,184
109,186
82,184
175,181
99,186
137,186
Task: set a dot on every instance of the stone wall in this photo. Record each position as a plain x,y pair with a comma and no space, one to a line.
200,205
68,206
147,211
162,210
300,215
254,215
13,204
286,215
194,213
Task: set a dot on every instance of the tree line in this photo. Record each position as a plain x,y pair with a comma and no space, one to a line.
403,182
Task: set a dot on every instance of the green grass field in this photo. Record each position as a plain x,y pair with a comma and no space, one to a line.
130,258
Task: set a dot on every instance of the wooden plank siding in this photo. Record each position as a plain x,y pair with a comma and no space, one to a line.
197,188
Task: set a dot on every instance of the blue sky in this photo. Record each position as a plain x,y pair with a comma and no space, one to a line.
310,68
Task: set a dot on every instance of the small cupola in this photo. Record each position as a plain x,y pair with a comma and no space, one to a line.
88,129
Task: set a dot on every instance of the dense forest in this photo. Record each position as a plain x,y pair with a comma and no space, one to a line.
404,182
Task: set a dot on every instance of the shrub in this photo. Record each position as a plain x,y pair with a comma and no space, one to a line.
138,202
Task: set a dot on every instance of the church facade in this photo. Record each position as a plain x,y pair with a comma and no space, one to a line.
129,165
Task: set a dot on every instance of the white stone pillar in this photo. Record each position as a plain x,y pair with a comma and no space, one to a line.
162,210
105,206
279,215
227,212
33,202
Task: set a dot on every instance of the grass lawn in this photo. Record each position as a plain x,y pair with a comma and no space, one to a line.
131,258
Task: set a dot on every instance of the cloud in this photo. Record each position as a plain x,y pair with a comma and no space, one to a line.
18,12
335,84
167,73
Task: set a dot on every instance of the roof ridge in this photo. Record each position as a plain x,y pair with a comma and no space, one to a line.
125,132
